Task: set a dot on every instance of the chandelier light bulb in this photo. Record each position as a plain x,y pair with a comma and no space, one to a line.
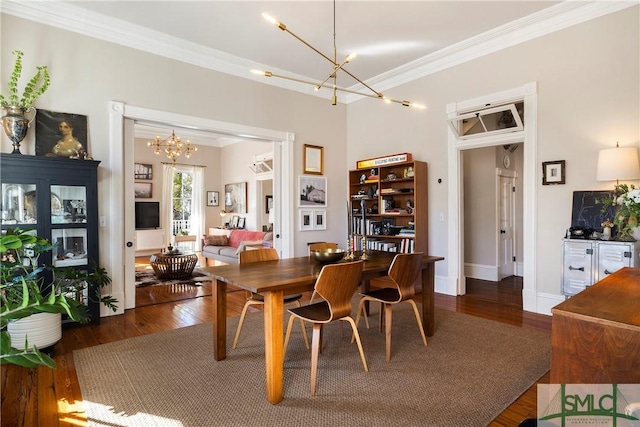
351,57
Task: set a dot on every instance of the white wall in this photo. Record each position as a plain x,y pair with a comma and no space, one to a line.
588,90
86,74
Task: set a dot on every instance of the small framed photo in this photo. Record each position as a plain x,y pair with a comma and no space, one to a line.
313,159
241,222
268,204
320,220
234,221
553,172
213,198
142,171
142,190
306,220
312,191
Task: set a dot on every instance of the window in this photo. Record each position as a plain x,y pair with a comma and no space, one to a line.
492,120
182,202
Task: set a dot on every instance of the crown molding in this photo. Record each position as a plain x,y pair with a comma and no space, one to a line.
72,18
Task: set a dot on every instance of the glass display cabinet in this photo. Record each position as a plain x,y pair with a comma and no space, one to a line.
58,199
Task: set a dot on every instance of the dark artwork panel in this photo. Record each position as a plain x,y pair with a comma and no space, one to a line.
61,134
587,213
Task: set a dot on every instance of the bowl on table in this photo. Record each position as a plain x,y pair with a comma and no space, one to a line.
328,256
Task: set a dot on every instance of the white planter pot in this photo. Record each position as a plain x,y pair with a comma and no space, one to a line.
636,233
40,329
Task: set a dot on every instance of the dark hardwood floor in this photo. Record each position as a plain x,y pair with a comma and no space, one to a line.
44,397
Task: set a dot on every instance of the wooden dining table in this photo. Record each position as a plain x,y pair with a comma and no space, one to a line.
274,280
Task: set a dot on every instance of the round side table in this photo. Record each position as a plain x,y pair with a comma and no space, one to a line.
173,266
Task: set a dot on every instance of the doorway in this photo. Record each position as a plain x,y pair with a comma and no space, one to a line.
455,283
122,252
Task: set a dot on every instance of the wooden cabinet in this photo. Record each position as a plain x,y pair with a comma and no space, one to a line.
595,336
395,199
58,199
585,262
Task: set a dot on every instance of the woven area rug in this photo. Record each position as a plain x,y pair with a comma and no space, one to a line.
471,370
148,278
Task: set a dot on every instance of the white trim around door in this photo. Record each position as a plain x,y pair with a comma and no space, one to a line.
455,285
122,254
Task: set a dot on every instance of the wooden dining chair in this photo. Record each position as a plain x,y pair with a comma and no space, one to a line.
336,284
403,273
259,255
319,246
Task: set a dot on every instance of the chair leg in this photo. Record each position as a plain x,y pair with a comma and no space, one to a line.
315,350
357,335
304,330
417,313
287,335
244,312
360,311
387,320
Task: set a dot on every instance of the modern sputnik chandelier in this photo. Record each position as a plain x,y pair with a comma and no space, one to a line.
173,147
336,67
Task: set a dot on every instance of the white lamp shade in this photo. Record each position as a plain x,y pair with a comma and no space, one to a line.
618,164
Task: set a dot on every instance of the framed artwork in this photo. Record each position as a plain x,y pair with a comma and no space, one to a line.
320,219
235,198
142,190
142,171
234,221
213,198
312,191
553,172
306,220
268,204
313,156
61,134
241,222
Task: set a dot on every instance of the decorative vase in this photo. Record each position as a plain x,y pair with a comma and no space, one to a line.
636,233
16,124
40,329
606,233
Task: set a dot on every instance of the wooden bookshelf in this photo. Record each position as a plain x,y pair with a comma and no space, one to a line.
393,204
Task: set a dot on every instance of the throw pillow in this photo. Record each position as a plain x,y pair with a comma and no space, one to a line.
246,243
216,240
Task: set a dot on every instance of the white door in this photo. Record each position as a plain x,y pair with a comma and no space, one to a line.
506,221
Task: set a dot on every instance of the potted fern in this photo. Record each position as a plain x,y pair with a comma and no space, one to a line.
14,122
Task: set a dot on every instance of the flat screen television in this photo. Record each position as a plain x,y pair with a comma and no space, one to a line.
147,215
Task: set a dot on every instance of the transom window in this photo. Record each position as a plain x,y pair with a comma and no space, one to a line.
491,120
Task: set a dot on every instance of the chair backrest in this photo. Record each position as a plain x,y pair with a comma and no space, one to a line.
257,255
404,271
319,246
336,284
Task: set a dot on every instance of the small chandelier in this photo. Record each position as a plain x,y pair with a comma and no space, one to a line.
173,147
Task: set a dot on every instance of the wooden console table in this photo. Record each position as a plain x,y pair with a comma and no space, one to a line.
595,335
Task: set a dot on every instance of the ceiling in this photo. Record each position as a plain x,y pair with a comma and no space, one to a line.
396,41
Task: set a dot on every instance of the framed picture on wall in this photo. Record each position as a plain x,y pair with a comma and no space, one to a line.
312,191
319,219
268,204
553,172
306,220
142,171
313,159
213,198
142,190
235,198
